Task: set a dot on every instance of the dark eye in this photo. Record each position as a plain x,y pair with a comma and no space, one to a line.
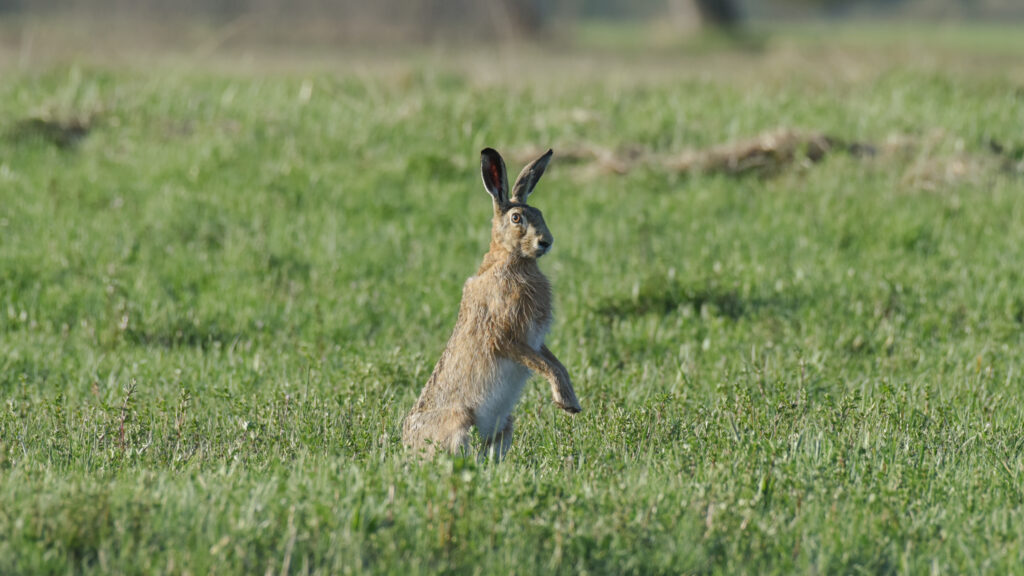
516,218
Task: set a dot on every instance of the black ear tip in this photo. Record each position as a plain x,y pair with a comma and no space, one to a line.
489,152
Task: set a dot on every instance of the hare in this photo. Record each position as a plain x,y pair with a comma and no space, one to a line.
498,338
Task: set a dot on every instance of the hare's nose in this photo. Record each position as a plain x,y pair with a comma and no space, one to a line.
545,244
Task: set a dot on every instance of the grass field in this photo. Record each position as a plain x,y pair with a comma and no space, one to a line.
220,291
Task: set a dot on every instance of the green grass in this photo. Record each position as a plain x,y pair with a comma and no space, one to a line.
216,307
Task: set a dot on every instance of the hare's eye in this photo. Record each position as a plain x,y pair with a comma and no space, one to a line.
516,218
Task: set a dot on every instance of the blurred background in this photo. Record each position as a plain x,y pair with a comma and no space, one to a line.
33,29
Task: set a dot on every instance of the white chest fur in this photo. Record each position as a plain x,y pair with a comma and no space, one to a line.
510,378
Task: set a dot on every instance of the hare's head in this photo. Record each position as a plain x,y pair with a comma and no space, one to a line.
517,227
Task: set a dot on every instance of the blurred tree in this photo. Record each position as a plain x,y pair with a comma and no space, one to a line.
719,14
523,17
724,14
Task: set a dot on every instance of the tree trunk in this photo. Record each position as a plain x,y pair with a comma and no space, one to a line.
722,14
523,17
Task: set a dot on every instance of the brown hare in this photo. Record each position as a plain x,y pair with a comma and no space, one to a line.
499,335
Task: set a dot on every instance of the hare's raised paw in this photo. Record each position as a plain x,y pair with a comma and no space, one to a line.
572,408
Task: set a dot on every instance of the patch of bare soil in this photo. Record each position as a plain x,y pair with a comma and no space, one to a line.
61,132
927,161
767,153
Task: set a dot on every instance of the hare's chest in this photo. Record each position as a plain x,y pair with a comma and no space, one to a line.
509,380
501,397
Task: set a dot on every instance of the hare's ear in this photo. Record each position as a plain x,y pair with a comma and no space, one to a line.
528,178
495,179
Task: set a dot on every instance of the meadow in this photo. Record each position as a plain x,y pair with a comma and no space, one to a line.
222,286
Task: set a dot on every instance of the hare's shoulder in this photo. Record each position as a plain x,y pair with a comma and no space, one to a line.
484,287
500,294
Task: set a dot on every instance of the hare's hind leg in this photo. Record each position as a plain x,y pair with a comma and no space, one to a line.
445,429
497,446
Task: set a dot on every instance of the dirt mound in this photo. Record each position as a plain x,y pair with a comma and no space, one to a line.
927,160
61,132
767,153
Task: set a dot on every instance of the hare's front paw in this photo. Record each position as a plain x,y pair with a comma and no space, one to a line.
572,408
565,396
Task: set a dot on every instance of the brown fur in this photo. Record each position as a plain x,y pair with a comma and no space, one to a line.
499,334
